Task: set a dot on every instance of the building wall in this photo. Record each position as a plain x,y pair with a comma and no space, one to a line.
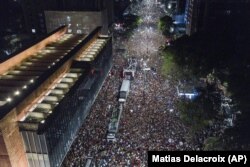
79,22
76,5
36,95
33,15
181,6
4,157
33,10
193,16
36,149
13,140
11,17
17,148
9,124
109,6
120,6
216,15
18,58
226,15
72,110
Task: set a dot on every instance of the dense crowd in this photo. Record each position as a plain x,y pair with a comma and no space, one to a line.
146,123
149,120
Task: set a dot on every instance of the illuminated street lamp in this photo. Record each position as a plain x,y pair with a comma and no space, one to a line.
169,6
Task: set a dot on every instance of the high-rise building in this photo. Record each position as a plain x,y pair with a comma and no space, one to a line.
46,92
78,22
34,17
120,6
216,15
180,6
11,17
82,5
194,12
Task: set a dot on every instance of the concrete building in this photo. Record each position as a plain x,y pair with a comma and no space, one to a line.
79,22
46,92
180,6
216,15
34,16
193,15
82,15
12,19
119,7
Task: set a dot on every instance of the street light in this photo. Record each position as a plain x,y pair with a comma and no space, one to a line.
169,6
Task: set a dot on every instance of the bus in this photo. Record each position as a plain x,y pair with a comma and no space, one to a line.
124,91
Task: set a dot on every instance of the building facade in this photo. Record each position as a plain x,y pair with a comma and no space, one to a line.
216,15
34,16
47,91
193,15
78,22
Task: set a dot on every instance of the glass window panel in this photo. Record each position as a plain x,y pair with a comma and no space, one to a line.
31,141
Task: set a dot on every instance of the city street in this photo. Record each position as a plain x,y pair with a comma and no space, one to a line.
149,120
120,83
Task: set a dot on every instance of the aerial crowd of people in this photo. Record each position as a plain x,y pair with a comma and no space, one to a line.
150,119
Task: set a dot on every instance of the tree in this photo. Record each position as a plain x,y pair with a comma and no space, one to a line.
169,67
165,24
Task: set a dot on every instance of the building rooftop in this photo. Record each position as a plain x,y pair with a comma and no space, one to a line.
52,96
17,79
39,113
90,53
24,72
